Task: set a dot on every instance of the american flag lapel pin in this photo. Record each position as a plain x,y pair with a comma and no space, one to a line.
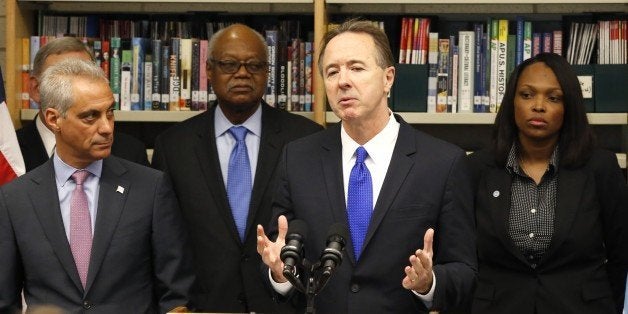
120,190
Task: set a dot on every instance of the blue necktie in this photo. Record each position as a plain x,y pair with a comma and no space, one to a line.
359,201
239,180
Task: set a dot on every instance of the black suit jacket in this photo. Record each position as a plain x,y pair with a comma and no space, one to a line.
228,270
426,185
34,151
139,263
587,259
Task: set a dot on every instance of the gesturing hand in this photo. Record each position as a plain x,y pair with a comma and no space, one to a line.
419,273
271,251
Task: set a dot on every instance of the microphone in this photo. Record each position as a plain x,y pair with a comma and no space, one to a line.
332,255
292,252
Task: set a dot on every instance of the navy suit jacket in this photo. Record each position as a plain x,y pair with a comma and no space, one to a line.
139,262
426,186
227,269
584,268
34,151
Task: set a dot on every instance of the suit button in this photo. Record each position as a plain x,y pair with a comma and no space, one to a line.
241,298
87,305
355,288
245,257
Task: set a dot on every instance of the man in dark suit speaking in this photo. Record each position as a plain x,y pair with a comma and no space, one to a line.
86,230
404,195
36,140
222,164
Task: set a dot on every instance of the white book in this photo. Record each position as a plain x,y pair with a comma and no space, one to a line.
466,51
432,78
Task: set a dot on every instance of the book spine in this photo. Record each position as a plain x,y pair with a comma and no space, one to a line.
302,75
202,84
185,62
125,80
443,75
196,64
175,79
432,78
114,74
147,98
271,85
308,76
282,80
104,64
295,75
477,68
527,40
156,83
493,64
520,29
164,88
466,47
137,75
502,55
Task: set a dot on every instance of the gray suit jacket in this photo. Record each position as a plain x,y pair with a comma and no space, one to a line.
426,185
138,264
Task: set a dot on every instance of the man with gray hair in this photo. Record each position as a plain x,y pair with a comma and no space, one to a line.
86,230
36,140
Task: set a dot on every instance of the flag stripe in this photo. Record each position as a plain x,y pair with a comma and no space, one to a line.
11,161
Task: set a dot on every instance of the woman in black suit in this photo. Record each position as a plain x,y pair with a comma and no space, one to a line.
551,209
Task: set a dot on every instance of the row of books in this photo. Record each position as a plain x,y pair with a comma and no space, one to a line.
468,71
157,66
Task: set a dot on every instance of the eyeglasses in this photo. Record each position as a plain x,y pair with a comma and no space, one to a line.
232,66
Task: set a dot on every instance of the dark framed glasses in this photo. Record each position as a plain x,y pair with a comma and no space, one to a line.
232,66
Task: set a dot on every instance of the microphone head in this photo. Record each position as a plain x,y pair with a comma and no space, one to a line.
338,232
298,227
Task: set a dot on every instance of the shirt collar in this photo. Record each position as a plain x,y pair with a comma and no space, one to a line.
47,137
385,137
513,166
253,123
63,171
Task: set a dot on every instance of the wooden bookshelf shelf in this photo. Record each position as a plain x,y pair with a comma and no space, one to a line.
467,2
146,116
486,118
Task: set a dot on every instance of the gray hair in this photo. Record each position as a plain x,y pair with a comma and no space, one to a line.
383,55
56,83
57,46
211,46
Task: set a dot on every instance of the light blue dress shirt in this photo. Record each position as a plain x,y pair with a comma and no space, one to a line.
225,142
66,185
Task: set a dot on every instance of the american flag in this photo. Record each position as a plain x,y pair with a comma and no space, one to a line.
11,161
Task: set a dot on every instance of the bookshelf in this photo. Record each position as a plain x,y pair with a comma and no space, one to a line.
22,14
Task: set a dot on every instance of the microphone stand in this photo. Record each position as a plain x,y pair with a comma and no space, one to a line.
315,277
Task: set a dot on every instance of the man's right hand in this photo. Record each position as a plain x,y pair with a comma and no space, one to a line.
271,251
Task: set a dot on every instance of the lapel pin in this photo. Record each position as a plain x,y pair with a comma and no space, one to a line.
120,190
495,193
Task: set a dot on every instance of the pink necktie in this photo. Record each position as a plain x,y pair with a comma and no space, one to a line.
80,226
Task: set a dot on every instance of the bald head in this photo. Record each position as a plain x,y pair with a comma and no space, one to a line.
237,68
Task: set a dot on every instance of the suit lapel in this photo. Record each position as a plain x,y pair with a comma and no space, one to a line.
570,183
49,215
400,165
110,206
270,147
331,161
207,158
498,186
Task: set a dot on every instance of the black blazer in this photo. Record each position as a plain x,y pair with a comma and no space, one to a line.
34,151
228,271
426,185
139,262
584,268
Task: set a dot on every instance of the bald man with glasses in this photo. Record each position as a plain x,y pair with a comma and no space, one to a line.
222,164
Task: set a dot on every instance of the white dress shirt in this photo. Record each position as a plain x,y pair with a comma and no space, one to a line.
225,141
